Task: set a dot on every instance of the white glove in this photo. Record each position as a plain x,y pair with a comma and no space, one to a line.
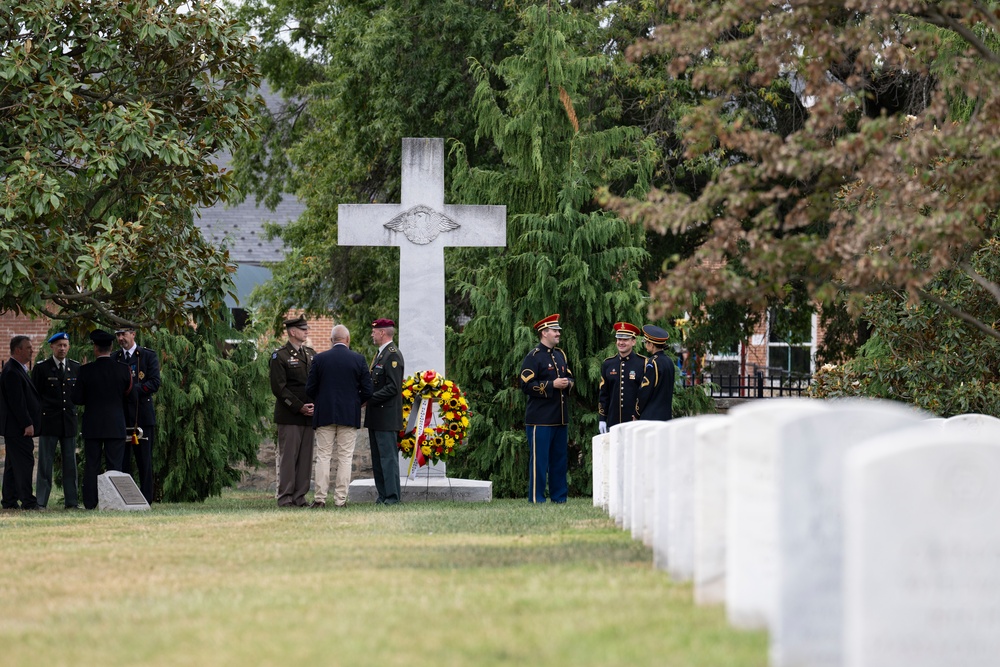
602,427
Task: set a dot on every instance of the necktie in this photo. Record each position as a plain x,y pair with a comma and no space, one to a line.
62,368
128,357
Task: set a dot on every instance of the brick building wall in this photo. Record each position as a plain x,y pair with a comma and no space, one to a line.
12,324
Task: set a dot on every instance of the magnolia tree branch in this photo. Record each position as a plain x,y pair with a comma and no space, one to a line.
961,314
96,307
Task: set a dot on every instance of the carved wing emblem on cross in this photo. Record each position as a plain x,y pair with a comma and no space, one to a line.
421,224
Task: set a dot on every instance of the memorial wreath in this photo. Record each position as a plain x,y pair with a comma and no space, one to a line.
431,435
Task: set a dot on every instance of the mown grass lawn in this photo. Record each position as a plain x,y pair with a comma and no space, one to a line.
236,581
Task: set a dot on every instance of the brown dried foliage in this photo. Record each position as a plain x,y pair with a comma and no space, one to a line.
859,196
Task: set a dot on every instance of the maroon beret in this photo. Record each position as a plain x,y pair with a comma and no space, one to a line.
382,322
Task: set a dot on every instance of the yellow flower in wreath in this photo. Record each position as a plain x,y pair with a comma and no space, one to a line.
448,421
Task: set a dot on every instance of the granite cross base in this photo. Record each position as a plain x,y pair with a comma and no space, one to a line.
117,491
427,488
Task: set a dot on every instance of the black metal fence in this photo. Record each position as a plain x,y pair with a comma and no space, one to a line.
757,385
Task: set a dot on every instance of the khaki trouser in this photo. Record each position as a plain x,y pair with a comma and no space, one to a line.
334,440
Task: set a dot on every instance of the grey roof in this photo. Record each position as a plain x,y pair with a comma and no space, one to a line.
241,227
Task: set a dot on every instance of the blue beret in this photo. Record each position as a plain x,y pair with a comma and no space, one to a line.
58,336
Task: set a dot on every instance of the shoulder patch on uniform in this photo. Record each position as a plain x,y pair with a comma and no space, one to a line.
274,355
395,363
391,348
527,374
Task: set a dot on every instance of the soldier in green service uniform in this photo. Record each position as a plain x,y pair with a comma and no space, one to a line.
289,369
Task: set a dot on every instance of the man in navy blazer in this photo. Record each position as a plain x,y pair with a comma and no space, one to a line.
20,415
338,384
100,388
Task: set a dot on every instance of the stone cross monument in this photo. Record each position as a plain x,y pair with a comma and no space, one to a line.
422,225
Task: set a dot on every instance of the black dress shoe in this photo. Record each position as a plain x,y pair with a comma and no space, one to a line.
317,504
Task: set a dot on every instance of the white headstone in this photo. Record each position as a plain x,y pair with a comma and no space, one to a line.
672,497
647,438
922,551
975,423
661,494
646,495
635,434
711,441
599,446
616,457
680,486
639,449
422,226
808,630
752,507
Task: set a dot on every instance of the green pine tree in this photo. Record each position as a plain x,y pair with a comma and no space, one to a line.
548,113
211,411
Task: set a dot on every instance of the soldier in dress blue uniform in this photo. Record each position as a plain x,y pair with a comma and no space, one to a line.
621,376
54,379
547,380
656,394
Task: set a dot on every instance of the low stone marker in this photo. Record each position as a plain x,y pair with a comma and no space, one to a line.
752,507
710,510
118,491
808,628
922,550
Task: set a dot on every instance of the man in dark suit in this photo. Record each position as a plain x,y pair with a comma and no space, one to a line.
101,387
54,379
384,413
656,394
20,413
338,384
140,416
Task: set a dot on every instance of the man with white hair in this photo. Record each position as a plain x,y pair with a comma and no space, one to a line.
338,384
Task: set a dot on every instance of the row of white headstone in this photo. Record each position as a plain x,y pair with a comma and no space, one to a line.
857,533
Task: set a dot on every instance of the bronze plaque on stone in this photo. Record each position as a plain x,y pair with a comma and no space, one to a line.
130,493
